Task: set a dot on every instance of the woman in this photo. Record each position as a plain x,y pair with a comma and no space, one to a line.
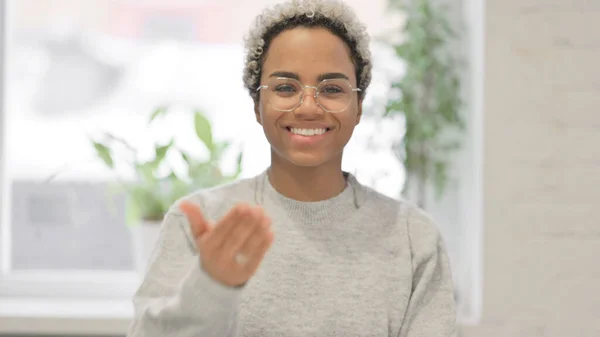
302,249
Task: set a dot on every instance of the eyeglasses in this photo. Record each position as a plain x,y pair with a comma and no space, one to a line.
286,94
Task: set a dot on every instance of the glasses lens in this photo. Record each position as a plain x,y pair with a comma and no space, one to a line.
283,93
334,95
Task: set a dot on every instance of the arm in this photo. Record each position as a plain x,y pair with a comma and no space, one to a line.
176,297
431,309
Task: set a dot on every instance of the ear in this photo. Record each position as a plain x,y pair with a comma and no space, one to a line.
257,112
360,110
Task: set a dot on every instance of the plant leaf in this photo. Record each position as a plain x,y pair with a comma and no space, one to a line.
132,211
161,152
121,141
203,129
146,172
186,157
238,168
162,110
104,153
178,187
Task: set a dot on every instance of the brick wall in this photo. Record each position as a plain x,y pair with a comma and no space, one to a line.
541,169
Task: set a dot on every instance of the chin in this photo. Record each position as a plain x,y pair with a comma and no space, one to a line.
311,159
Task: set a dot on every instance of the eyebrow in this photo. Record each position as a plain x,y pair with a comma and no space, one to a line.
287,74
326,76
330,76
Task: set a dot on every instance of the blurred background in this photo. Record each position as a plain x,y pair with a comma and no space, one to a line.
512,176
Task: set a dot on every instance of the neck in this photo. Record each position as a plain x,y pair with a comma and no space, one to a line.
306,183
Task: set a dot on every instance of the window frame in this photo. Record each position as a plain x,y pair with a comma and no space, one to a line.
471,164
5,244
44,284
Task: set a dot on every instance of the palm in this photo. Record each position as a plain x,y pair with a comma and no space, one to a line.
243,230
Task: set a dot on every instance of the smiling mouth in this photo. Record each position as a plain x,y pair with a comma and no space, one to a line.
308,132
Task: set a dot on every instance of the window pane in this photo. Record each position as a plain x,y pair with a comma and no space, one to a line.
67,225
77,69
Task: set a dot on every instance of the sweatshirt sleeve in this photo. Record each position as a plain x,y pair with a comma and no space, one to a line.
176,297
431,309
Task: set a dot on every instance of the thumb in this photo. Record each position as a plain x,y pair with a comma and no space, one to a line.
195,217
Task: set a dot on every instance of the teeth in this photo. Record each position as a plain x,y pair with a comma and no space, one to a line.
308,132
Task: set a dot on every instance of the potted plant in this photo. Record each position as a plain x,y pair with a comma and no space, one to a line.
427,96
156,185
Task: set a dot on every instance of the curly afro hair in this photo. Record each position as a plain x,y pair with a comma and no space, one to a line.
333,15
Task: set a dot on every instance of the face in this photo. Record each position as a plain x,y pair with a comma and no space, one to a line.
309,54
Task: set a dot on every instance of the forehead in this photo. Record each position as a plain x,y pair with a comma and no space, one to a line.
309,52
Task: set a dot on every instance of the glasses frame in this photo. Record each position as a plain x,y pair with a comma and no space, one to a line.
316,95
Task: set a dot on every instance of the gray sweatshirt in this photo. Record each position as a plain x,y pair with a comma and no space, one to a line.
358,264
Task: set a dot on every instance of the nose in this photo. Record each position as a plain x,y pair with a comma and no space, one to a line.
308,108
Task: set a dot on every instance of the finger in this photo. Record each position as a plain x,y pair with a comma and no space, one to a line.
195,217
258,249
225,225
252,245
242,232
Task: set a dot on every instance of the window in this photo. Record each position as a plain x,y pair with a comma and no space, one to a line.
75,69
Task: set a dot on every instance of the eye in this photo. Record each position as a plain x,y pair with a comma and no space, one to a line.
332,89
285,88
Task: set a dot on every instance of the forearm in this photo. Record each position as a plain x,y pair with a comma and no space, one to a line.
200,307
177,298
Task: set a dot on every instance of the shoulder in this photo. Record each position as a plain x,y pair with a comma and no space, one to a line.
374,204
423,231
214,201
425,239
416,224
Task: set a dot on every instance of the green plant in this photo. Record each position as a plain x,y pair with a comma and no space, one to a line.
156,185
429,97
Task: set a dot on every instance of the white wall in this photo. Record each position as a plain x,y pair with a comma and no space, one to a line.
541,169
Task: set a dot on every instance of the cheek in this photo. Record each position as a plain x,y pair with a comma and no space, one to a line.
349,120
262,113
348,130
268,118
